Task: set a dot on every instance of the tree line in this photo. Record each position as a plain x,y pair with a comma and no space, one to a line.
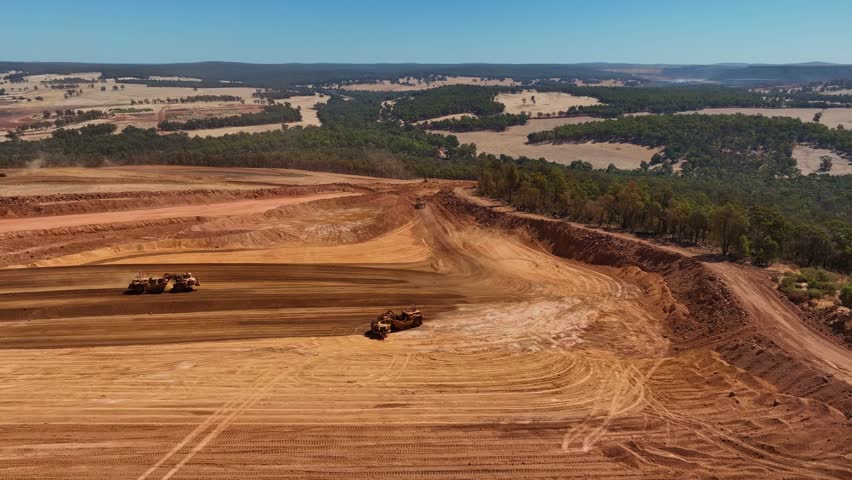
447,100
281,93
270,114
617,101
730,218
467,123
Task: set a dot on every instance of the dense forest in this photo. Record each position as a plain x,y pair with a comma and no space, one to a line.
711,144
618,101
448,100
766,219
468,123
270,114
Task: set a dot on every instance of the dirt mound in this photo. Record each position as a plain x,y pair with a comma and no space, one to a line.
834,320
65,204
708,314
26,247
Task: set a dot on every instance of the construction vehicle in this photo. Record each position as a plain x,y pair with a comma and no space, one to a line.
2,174
182,282
389,322
419,204
150,284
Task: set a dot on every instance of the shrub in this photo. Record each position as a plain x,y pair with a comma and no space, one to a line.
846,295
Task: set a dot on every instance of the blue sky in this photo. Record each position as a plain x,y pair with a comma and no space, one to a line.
428,31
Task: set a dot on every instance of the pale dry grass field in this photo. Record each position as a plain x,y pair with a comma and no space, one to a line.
513,142
808,160
545,102
58,76
309,118
95,98
831,117
387,86
14,113
445,117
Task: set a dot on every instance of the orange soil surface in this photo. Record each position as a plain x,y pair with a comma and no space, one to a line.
548,351
242,207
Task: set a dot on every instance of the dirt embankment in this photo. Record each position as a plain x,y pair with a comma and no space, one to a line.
27,247
834,321
66,204
708,313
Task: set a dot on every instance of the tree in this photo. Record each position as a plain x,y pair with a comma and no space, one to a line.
728,224
766,232
825,163
743,246
512,179
581,165
627,204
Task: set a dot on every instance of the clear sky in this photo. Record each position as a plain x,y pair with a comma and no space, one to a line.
428,31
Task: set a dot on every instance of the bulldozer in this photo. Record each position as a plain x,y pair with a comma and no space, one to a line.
419,204
389,322
182,282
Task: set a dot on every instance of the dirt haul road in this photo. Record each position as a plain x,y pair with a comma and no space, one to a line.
529,365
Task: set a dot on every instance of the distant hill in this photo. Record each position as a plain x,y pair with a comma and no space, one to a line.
291,74
743,73
281,75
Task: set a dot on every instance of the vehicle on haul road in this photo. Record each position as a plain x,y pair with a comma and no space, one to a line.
389,322
181,282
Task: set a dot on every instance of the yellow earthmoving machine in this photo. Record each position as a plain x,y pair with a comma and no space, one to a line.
149,284
389,322
182,282
419,204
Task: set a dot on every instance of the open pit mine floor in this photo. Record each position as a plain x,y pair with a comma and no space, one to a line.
547,350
